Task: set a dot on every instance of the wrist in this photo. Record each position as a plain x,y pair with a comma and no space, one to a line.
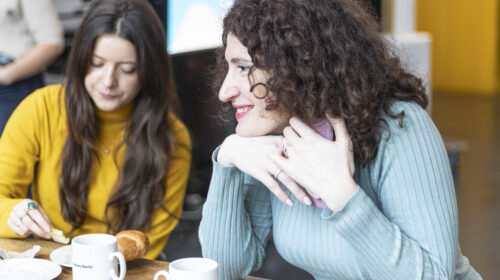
337,201
5,76
223,156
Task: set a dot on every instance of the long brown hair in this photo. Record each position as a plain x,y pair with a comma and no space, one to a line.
323,57
141,185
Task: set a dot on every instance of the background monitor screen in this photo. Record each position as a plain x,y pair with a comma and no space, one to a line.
194,25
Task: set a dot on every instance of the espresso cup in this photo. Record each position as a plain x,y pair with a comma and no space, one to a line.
189,269
95,257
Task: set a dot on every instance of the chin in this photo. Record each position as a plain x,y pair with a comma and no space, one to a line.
107,108
249,131
244,133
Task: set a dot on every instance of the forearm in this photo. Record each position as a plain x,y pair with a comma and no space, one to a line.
159,235
386,251
33,62
226,232
19,156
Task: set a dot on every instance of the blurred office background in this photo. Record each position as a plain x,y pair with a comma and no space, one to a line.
451,44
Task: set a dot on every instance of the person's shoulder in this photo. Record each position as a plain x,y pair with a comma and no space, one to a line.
48,93
414,117
415,127
412,112
41,106
44,7
400,139
46,97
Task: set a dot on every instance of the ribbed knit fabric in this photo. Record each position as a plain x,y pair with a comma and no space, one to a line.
401,224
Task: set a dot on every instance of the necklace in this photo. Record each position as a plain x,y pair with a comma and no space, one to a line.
108,148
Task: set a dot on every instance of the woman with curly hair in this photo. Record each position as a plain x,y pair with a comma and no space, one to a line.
377,202
103,152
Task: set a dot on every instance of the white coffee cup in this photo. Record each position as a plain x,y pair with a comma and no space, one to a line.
189,269
94,257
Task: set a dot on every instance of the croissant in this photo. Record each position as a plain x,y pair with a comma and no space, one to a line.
133,244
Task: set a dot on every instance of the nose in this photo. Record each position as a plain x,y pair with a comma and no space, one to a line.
228,91
110,80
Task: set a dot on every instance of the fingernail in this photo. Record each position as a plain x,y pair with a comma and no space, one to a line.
289,202
307,200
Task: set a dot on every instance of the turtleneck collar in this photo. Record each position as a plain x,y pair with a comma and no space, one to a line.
119,115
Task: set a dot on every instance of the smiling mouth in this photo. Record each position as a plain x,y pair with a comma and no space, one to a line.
108,96
242,111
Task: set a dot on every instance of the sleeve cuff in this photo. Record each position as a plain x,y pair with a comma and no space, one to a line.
214,159
328,214
360,213
225,179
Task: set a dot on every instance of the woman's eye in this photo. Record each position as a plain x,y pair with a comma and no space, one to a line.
95,64
128,71
243,68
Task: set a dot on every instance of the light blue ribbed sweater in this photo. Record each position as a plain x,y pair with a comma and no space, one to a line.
401,224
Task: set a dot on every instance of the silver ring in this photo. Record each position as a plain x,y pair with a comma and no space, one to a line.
24,215
277,173
284,148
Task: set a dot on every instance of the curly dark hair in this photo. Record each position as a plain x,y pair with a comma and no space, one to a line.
323,57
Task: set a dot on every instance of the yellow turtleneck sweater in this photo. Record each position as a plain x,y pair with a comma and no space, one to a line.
30,153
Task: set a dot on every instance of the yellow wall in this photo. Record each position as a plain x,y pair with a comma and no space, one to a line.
465,50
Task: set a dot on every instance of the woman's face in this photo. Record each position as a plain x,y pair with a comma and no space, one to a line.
253,119
112,79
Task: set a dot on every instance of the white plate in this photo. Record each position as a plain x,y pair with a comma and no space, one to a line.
62,256
24,269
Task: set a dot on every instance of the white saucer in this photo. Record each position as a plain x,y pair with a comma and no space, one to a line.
32,269
62,256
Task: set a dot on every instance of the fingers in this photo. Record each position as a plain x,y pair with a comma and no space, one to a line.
312,194
15,223
294,188
289,181
291,137
270,181
251,155
17,227
302,129
230,152
41,217
299,129
340,129
33,225
39,221
275,188
24,220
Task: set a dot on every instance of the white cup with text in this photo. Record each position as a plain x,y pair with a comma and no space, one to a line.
95,256
189,269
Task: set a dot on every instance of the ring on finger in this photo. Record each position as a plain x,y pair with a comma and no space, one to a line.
284,148
22,216
31,206
277,173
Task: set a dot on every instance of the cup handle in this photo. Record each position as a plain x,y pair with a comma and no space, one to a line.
123,266
161,273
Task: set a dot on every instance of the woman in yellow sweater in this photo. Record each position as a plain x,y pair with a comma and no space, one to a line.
103,152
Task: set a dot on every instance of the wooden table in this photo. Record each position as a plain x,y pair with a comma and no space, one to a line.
136,269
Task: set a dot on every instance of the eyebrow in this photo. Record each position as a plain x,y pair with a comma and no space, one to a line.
238,60
121,62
